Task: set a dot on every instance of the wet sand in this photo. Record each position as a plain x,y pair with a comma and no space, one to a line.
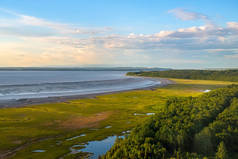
36,101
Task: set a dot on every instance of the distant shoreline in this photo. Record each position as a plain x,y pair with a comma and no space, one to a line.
37,101
81,69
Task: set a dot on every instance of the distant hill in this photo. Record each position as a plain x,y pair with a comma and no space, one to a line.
81,69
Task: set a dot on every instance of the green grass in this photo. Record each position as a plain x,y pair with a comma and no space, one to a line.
40,126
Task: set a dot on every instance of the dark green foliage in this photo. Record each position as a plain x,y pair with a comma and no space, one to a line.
221,151
189,127
224,75
223,130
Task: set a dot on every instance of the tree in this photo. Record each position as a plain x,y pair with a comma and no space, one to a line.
221,151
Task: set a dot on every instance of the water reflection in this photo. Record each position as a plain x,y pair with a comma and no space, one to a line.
97,148
38,151
75,137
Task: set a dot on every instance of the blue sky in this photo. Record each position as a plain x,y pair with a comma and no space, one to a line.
152,33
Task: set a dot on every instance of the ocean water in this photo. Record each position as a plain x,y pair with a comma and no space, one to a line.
39,84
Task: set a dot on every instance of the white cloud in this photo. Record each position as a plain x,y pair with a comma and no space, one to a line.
193,38
15,23
233,25
189,15
35,41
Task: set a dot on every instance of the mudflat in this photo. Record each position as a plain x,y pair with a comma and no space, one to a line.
37,101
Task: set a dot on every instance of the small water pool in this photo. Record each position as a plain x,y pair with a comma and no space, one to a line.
97,148
38,151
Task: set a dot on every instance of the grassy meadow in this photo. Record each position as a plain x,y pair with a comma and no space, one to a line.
48,126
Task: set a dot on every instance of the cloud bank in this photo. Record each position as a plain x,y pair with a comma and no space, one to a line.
32,41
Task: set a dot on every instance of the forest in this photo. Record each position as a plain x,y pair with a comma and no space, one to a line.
203,127
219,75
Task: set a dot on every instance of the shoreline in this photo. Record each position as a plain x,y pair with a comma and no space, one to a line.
37,101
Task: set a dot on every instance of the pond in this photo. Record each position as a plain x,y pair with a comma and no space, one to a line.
97,148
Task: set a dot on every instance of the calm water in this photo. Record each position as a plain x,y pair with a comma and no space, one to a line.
38,84
97,148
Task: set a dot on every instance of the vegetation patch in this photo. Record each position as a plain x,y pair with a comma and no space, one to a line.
187,127
85,122
222,75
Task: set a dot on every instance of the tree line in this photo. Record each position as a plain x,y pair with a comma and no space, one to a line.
222,75
190,127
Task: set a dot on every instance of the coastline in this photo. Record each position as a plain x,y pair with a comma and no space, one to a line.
123,106
37,101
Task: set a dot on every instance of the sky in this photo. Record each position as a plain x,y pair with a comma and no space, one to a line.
196,34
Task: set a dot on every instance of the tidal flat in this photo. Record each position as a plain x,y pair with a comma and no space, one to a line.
48,126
